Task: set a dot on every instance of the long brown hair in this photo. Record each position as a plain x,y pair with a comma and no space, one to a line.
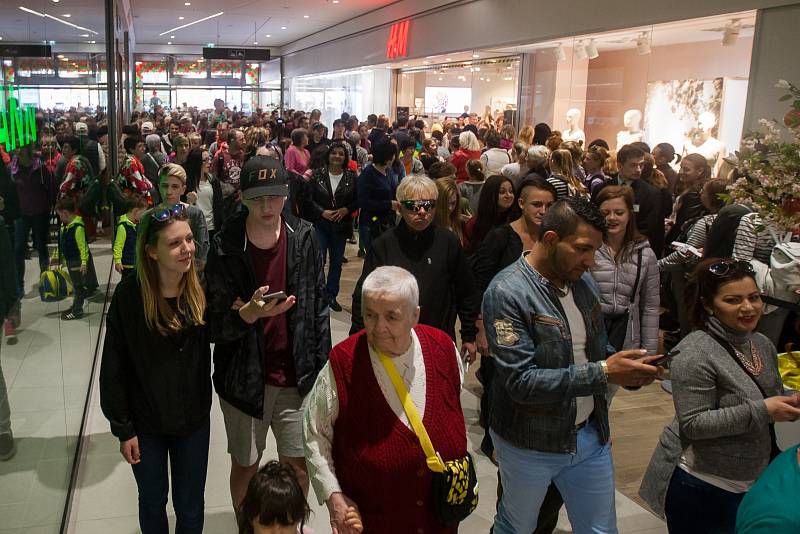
561,163
191,302
632,234
445,219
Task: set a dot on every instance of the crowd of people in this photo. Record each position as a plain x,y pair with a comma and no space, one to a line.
568,271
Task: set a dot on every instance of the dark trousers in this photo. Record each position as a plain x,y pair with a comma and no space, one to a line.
22,228
82,284
332,242
697,507
128,271
186,459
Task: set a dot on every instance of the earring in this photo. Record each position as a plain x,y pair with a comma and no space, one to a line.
710,312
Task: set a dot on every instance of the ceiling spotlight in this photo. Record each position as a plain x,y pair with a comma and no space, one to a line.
187,3
477,69
448,59
60,56
169,42
731,33
335,1
440,78
475,56
643,43
561,55
181,18
84,35
66,15
255,42
283,27
1,37
92,42
305,16
55,1
591,49
580,50
172,37
268,35
426,62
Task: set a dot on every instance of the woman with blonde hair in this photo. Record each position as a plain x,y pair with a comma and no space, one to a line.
526,135
155,376
449,214
561,175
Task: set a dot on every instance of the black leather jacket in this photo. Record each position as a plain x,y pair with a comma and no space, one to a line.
239,373
321,198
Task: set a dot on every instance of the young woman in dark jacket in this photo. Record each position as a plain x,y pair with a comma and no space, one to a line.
214,198
332,198
155,385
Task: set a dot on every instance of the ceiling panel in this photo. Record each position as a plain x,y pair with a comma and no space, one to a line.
22,27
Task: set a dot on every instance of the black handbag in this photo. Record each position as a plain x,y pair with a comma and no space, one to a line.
617,324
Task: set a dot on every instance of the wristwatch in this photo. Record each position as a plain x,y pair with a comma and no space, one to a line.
604,366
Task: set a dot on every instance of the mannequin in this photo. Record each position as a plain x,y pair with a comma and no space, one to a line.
631,120
701,141
573,131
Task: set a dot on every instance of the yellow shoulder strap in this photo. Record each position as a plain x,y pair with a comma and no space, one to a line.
433,460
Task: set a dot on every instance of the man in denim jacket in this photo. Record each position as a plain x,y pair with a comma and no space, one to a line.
550,418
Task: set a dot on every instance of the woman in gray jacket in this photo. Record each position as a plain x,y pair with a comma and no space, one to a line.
627,273
727,394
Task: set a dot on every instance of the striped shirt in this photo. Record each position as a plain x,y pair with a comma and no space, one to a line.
562,188
753,240
696,238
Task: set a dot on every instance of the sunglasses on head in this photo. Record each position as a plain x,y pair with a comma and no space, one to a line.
416,205
725,267
165,214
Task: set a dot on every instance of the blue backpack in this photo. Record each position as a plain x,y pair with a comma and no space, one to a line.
54,285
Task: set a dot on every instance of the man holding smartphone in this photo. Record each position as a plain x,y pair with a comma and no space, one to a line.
549,421
269,318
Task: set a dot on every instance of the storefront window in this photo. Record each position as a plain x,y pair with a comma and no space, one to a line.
28,67
73,67
190,68
221,68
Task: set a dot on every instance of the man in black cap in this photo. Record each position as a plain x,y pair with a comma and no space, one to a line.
269,318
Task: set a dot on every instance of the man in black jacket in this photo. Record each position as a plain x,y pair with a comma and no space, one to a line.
8,299
268,350
435,258
646,198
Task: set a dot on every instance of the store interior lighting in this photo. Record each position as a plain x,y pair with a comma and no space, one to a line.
580,50
591,49
643,43
561,55
731,33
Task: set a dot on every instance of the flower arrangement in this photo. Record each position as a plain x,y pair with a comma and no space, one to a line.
769,167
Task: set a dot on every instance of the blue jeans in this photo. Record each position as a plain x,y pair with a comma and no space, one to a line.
22,227
585,481
188,463
333,241
698,507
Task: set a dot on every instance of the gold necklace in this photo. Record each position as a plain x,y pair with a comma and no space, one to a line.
755,366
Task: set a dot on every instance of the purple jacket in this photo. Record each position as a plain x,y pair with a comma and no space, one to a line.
35,187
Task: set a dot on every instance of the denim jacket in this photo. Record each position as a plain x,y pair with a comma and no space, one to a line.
537,379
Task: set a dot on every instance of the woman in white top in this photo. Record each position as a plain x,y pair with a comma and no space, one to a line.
494,157
203,190
519,168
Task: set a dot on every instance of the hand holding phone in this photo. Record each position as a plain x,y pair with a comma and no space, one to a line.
664,359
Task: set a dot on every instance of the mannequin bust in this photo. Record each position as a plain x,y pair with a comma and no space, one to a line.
573,131
699,140
632,121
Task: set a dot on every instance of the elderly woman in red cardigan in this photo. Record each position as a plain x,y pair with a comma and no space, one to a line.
361,451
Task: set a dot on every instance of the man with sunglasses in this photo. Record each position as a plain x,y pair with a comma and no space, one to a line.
269,347
435,257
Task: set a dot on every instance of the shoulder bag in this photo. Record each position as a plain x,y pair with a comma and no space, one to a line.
455,483
617,324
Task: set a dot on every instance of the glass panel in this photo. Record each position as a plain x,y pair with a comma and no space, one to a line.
73,67
28,67
222,68
190,69
252,74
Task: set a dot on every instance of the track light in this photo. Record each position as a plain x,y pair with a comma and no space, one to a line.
643,43
561,55
591,49
580,50
731,33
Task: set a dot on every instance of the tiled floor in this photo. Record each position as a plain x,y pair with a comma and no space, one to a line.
47,375
106,498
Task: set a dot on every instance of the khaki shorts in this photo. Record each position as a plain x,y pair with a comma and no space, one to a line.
247,436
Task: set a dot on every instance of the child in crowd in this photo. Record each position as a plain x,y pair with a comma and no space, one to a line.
125,239
74,251
471,188
275,504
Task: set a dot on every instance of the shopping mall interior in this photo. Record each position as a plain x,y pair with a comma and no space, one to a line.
648,71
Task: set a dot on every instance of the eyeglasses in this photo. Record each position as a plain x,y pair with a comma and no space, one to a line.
165,214
416,205
725,267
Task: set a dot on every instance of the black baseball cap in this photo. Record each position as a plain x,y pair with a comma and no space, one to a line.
263,176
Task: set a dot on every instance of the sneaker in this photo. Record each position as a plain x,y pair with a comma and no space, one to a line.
10,332
70,315
335,306
8,448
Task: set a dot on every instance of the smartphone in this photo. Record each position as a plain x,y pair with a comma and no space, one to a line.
666,358
278,295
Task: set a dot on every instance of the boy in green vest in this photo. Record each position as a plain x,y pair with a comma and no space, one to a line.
74,251
125,239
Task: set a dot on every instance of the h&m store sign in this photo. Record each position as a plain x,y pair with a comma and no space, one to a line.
397,44
17,122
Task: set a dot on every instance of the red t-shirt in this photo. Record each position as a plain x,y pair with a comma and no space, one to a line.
270,268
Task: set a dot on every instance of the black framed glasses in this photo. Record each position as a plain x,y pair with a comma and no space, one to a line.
165,214
416,205
725,267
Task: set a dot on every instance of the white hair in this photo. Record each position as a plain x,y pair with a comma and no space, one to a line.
538,154
417,183
391,280
468,141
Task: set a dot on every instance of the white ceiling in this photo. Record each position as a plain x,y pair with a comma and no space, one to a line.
21,27
243,22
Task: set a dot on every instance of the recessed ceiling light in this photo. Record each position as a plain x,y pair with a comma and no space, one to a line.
92,42
283,27
181,18
255,42
55,1
1,38
475,55
210,45
268,35
84,35
60,56
187,3
66,15
172,37
426,62
169,42
448,59
335,1
405,64
305,16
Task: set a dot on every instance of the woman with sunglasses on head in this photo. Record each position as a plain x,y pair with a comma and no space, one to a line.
727,394
155,376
